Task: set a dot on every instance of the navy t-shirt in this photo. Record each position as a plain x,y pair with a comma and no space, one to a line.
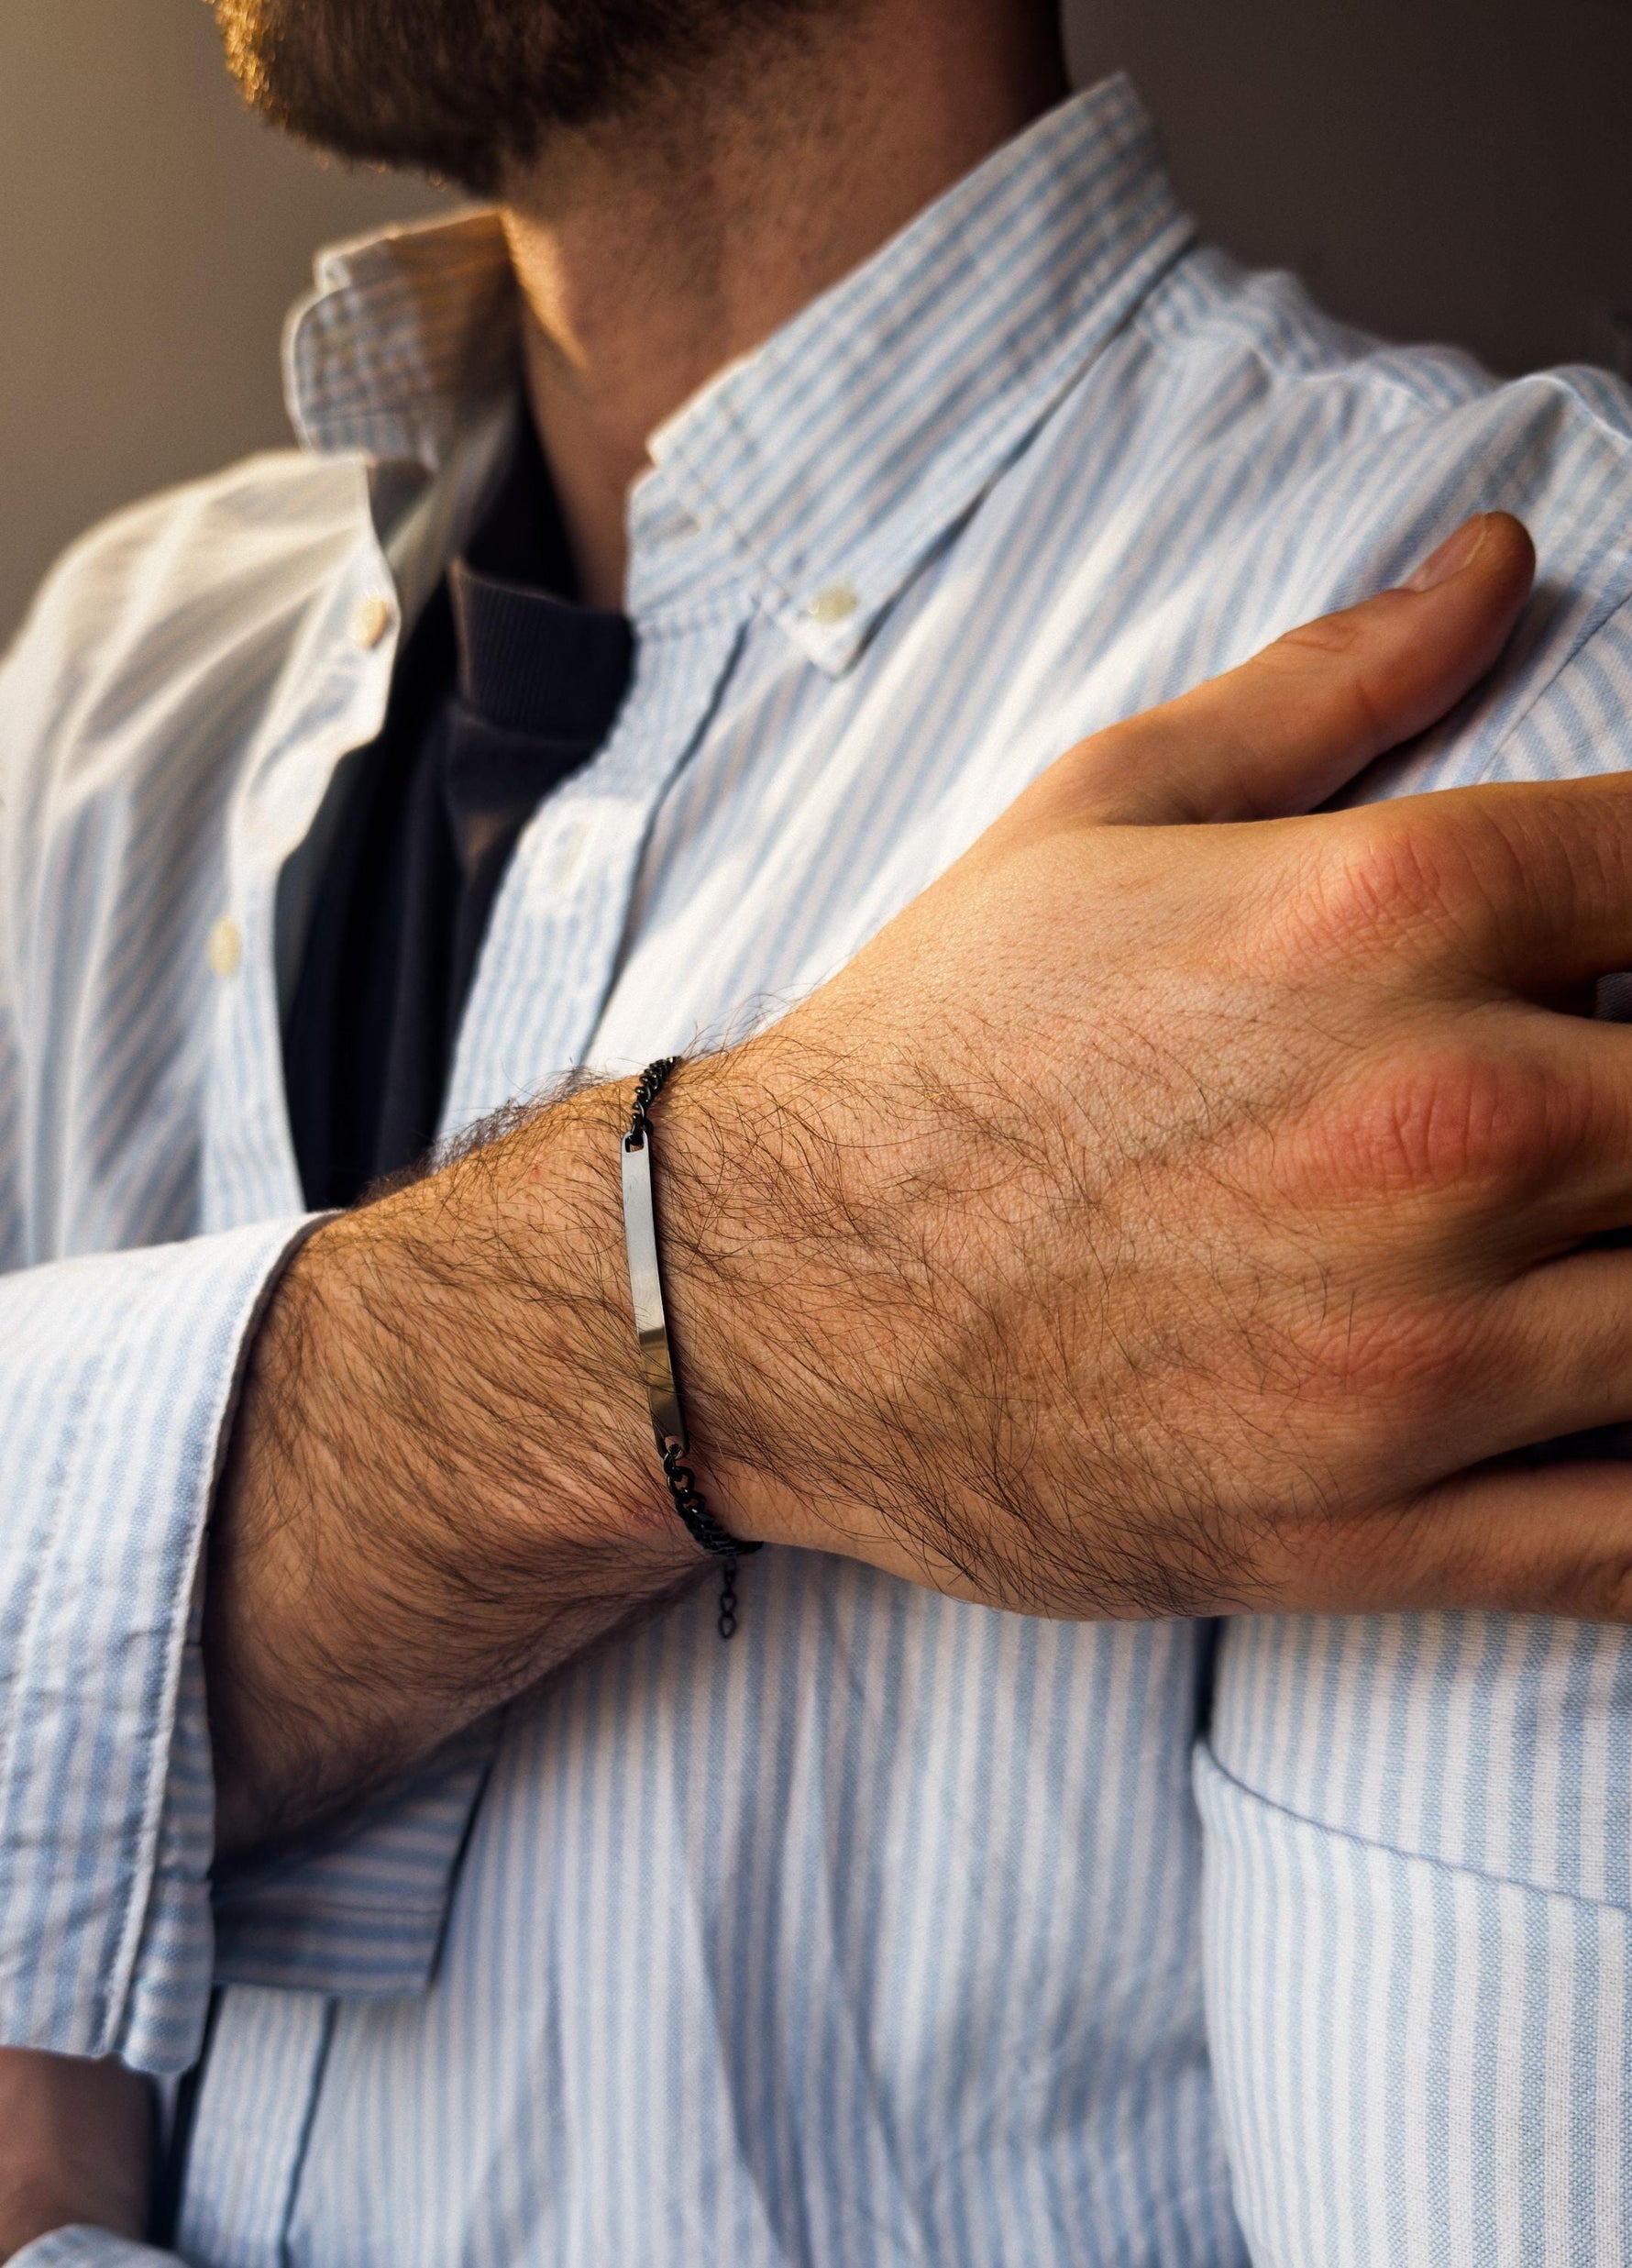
504,686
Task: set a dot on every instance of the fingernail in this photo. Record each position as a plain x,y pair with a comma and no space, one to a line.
1455,553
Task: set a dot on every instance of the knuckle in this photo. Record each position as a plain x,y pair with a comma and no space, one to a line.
1459,1125
1594,1588
1327,638
1350,662
1335,651
1609,1590
1423,871
1380,877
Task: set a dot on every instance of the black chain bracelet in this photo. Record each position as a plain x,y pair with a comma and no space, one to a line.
657,1355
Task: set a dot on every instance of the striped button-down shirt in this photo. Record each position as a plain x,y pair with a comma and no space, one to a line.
899,1931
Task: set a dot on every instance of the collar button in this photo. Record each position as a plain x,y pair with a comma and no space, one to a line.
836,603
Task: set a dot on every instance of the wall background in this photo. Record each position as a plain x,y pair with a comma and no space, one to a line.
1455,169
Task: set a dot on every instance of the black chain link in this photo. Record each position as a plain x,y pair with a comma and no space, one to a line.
689,1502
646,1089
706,1531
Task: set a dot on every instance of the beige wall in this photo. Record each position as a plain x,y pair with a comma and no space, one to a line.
1462,168
151,235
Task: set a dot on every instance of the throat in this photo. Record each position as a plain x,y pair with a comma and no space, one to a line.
654,250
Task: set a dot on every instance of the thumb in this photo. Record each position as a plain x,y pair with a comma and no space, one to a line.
1288,728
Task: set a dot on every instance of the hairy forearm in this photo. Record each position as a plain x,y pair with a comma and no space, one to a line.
442,1479
443,1482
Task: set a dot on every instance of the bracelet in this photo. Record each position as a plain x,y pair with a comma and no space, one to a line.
656,1356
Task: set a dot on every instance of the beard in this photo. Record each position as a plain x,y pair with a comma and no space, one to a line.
471,91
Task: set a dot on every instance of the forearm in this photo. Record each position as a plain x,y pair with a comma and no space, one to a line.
441,1481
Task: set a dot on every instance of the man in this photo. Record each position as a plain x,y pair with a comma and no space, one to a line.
1078,1216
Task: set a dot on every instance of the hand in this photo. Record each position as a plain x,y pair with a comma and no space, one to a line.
73,2147
1162,1214
1208,1208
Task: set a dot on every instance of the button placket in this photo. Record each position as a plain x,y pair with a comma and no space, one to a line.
334,700
558,930
267,2050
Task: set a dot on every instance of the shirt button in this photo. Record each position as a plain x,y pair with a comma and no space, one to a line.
226,947
837,602
371,619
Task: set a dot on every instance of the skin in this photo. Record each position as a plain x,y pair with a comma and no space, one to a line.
920,1245
1218,1263
73,2147
721,214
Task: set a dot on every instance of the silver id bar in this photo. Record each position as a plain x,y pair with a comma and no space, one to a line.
651,1325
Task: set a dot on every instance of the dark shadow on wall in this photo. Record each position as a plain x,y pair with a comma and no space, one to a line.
1437,169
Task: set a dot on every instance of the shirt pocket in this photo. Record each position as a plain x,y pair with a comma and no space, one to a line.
1416,2061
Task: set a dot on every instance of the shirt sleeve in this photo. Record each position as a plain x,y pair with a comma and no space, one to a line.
118,1378
117,1374
357,1913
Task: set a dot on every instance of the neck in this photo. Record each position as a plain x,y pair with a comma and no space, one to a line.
652,253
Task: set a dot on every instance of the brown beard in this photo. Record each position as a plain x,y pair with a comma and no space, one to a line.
469,90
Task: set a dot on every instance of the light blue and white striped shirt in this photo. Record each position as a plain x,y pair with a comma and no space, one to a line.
899,1930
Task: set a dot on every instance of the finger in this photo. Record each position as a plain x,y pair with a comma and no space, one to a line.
1528,1365
1527,882
1518,1366
1557,1358
1288,728
1574,1179
1519,1539
1517,1131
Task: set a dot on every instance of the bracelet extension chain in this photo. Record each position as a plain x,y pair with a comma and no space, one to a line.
656,1356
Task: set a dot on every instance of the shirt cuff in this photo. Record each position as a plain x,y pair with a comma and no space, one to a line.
359,1912
118,1378
90,2248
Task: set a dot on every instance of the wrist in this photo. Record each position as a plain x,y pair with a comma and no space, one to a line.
791,1215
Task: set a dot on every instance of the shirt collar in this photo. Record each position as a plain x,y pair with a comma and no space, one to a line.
824,467
410,337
